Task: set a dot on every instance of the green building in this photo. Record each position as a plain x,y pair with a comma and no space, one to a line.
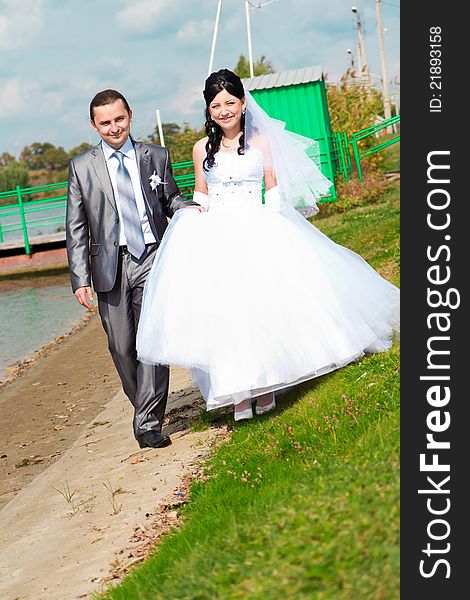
298,98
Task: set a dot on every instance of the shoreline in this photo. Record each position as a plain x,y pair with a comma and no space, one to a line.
38,278
17,369
66,424
49,399
34,271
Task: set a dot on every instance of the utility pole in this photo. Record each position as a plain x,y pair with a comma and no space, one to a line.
396,92
351,56
380,31
248,33
160,128
214,37
362,58
352,68
360,64
248,5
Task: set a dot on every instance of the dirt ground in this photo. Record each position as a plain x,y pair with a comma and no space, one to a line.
80,503
50,403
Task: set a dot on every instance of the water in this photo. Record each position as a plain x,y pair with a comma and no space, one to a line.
32,313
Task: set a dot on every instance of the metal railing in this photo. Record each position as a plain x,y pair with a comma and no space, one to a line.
367,132
23,215
185,179
342,154
325,162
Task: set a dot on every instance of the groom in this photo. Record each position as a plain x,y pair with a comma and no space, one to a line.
120,194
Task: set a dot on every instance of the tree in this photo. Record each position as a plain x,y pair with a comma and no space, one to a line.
262,66
353,108
55,158
44,156
12,175
32,157
170,129
6,159
179,140
79,149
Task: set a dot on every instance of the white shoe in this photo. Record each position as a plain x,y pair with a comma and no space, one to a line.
264,409
239,415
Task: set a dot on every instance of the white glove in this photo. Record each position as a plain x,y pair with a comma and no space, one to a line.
202,199
272,199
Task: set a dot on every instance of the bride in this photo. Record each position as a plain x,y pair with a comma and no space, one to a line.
247,293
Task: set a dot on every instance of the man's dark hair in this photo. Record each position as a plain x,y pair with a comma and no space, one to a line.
106,97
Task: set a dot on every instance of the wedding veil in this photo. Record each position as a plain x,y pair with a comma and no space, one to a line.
294,159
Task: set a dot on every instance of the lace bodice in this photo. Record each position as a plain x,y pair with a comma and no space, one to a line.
235,180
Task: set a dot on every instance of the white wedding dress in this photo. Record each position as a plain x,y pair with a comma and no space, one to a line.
253,298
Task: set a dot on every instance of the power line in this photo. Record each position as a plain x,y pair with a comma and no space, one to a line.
388,4
260,4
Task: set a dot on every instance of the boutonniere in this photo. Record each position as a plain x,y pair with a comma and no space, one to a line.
155,180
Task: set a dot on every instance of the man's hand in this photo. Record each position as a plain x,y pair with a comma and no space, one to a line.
84,295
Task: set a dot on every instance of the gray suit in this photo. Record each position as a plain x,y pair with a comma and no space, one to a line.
92,232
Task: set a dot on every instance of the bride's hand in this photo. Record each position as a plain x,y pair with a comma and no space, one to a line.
199,208
202,200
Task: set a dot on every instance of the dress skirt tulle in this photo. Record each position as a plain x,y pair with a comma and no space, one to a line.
254,301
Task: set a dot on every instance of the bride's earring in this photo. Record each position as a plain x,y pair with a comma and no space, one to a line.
212,126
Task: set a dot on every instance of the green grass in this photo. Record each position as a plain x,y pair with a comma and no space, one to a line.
303,502
390,156
371,230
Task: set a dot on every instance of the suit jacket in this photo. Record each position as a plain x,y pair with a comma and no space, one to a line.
92,221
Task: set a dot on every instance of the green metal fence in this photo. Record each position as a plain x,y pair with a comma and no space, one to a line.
367,132
344,147
184,176
342,154
25,214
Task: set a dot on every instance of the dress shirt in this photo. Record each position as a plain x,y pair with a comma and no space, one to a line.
130,160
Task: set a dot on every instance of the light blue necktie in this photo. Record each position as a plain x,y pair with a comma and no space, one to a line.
130,214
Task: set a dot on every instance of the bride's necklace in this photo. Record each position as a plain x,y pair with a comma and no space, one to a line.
231,148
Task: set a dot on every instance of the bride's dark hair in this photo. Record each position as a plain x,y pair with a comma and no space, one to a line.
215,83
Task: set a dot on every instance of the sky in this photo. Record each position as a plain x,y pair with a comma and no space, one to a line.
56,54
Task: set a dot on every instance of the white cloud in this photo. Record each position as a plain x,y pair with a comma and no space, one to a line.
156,52
188,99
150,16
51,103
110,61
20,22
145,15
27,99
319,14
14,96
85,85
195,31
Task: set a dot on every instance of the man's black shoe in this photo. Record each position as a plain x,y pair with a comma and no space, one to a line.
153,439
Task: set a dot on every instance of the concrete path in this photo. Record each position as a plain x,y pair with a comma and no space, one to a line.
51,548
